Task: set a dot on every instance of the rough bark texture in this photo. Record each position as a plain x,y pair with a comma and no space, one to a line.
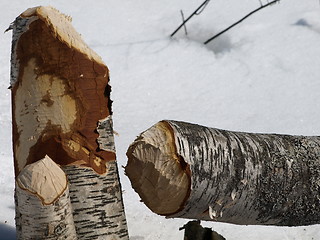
235,177
97,202
61,108
43,206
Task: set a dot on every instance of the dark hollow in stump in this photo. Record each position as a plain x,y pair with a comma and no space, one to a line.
189,171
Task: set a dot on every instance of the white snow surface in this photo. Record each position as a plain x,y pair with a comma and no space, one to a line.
261,76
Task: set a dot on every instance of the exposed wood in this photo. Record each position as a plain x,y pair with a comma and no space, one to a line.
43,205
61,108
60,88
232,177
156,171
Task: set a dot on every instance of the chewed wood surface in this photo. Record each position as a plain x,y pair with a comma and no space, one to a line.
236,177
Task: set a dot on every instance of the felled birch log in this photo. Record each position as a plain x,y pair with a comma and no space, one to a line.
189,171
62,108
43,206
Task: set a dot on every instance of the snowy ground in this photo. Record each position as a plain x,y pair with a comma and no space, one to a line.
261,76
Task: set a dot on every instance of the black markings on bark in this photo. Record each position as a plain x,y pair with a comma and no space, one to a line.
104,213
250,178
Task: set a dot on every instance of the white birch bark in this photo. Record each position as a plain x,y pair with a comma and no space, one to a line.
97,203
43,205
61,108
234,177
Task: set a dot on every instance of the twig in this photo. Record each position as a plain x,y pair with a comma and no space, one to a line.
236,23
194,13
184,25
201,10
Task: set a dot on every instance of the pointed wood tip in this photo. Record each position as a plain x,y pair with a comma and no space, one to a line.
156,171
44,179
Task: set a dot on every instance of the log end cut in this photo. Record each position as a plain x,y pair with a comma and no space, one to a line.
157,173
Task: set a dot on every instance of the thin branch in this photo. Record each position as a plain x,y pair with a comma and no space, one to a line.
201,10
194,13
236,23
184,25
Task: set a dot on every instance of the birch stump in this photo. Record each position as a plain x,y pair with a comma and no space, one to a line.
190,171
61,108
43,205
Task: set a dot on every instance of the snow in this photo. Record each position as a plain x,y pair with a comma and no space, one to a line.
261,76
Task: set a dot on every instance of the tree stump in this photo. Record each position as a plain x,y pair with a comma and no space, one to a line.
61,108
43,207
189,171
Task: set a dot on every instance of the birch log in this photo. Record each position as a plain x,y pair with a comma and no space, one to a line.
43,205
61,108
190,171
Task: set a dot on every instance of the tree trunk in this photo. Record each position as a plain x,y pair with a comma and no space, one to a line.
190,171
61,108
97,202
43,205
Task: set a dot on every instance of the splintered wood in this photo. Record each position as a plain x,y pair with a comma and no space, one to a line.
189,171
61,111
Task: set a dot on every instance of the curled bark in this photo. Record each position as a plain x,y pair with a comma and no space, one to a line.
232,177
